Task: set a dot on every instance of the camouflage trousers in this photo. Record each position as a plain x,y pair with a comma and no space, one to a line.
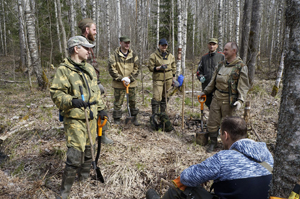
119,94
159,89
218,110
76,133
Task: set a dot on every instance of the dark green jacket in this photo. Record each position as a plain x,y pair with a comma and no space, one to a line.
207,65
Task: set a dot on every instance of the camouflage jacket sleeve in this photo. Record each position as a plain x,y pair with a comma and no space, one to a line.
243,84
112,68
211,86
136,69
151,63
59,90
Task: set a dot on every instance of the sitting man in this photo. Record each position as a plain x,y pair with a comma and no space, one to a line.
242,170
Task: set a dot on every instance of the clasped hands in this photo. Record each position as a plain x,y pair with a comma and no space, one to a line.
126,80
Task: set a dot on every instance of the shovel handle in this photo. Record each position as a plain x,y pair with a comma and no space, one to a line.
201,100
100,125
127,91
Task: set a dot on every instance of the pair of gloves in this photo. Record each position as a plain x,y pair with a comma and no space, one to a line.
78,103
237,104
126,80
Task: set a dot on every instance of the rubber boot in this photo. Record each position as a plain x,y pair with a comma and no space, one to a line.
117,114
155,106
213,141
134,119
152,194
84,171
105,139
68,179
163,105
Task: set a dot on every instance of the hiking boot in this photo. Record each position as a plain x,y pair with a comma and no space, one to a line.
213,144
163,105
106,140
155,106
135,121
152,194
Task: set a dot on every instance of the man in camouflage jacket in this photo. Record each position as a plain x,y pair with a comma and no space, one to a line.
159,62
124,68
229,85
72,74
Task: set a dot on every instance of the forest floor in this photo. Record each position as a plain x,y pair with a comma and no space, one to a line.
33,146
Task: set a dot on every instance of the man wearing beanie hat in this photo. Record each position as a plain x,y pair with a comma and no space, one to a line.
124,68
89,31
163,68
207,65
72,74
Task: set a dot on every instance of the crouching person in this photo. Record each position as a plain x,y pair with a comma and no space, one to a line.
73,75
242,170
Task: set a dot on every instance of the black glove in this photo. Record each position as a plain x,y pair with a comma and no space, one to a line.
78,103
163,67
102,114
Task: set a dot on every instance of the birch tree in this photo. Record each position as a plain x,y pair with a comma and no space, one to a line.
237,27
107,26
94,7
220,25
254,38
83,8
62,28
157,23
4,29
72,24
22,35
173,30
119,18
184,34
32,44
278,29
286,156
57,28
246,29
179,26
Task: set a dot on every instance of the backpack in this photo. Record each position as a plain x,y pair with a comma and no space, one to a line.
157,121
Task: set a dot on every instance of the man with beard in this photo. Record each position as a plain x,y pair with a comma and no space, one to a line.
89,31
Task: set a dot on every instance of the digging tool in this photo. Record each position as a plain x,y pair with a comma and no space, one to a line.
100,125
97,170
201,137
128,119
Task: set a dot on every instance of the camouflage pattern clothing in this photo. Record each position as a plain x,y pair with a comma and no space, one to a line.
121,66
229,79
158,59
206,67
64,88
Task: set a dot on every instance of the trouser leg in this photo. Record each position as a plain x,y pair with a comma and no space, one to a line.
155,106
119,98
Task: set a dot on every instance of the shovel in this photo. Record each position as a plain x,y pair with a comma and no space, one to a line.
128,119
97,169
100,125
202,137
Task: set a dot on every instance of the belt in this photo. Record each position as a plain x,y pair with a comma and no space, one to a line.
222,91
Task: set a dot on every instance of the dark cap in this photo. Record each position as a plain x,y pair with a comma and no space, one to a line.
163,42
213,40
83,23
79,41
124,39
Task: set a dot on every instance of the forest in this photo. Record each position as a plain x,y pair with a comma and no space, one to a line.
33,42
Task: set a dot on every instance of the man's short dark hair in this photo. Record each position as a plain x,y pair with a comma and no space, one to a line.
71,50
235,126
233,45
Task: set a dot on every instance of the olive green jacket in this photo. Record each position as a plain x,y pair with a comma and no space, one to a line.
120,66
223,75
156,59
65,87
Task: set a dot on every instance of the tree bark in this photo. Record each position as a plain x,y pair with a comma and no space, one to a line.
220,25
286,170
184,34
57,28
94,7
83,8
157,23
246,30
237,27
62,28
72,24
32,45
179,38
107,26
254,38
119,18
22,63
173,30
4,29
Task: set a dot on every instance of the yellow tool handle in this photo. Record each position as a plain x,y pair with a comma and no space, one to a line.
201,100
100,125
127,87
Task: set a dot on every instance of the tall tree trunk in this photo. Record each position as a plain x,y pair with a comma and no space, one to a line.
32,44
173,30
246,30
157,23
237,27
179,26
83,8
4,29
278,30
286,170
254,38
1,36
22,35
184,34
50,32
230,18
98,23
107,26
194,26
270,8
119,18
57,28
72,18
94,7
220,25
62,28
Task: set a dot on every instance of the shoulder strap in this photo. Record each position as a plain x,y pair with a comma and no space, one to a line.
264,163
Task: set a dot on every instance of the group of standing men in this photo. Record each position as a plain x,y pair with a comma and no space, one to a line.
78,78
